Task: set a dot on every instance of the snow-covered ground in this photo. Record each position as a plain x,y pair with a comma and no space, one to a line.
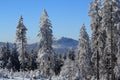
10,75
16,78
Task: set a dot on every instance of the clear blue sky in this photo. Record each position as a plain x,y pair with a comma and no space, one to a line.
67,16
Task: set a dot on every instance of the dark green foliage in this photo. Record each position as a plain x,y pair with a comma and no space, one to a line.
65,56
71,54
32,60
6,54
14,59
58,64
24,64
9,65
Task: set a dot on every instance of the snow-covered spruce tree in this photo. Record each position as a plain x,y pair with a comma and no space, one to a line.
45,53
65,56
6,54
69,71
117,68
1,57
60,56
84,55
110,18
116,35
32,60
71,54
15,60
9,64
98,37
58,63
21,42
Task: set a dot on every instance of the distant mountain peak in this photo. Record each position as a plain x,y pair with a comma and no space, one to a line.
60,45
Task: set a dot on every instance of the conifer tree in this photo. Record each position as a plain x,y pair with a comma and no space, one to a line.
58,63
60,56
69,70
116,34
32,60
15,60
45,54
65,56
117,68
6,54
98,37
84,55
9,64
21,42
71,54
110,18
1,56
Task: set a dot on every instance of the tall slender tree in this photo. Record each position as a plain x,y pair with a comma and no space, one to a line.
98,37
84,55
117,71
116,35
110,17
21,42
45,54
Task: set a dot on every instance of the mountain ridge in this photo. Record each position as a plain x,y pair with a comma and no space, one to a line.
60,46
